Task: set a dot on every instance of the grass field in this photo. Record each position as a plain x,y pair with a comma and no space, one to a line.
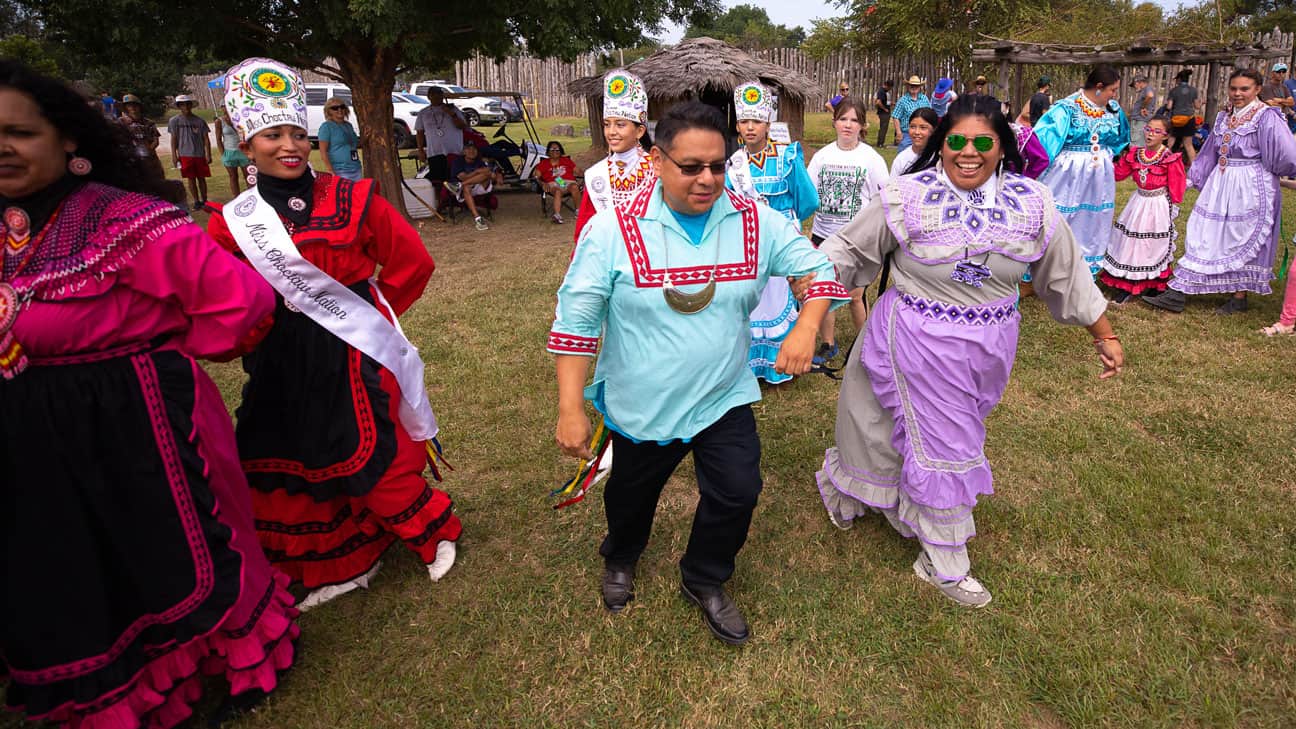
1141,546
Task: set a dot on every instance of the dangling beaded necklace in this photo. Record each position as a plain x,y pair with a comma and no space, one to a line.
1143,158
1090,109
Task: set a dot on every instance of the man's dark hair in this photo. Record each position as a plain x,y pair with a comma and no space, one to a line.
888,84
689,115
1183,75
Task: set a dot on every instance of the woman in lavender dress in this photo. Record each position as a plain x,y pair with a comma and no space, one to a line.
939,345
1233,230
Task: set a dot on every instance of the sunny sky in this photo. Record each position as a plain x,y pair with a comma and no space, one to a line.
801,12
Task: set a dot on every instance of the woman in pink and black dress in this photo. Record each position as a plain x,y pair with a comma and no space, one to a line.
1142,245
130,559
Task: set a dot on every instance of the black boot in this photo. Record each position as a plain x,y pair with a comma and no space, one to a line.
1232,306
1169,300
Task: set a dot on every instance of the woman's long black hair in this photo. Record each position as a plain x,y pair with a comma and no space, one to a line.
986,107
108,146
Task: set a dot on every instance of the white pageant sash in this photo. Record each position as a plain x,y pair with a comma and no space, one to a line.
598,184
270,249
740,178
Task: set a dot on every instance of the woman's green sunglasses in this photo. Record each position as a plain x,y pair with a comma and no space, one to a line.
981,142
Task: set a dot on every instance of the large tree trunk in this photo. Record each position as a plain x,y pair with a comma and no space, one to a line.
371,73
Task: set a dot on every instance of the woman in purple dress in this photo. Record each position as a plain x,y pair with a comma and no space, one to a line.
1233,229
939,345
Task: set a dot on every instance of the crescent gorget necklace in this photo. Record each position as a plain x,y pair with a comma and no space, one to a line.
689,303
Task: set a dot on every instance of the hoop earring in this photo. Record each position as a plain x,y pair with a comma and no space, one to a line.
79,166
251,174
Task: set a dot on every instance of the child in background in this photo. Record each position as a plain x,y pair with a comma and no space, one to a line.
1142,246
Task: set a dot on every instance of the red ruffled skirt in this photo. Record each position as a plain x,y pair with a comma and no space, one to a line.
335,477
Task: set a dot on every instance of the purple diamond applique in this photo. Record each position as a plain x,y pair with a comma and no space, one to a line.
974,222
997,215
951,213
1012,202
934,196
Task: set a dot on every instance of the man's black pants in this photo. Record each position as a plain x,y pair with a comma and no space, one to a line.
884,128
726,456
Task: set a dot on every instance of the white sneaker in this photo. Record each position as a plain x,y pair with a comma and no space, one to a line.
321,595
966,592
445,559
480,223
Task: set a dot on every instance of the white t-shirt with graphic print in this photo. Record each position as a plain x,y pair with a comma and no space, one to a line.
846,180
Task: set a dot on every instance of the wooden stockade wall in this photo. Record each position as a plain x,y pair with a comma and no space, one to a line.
543,80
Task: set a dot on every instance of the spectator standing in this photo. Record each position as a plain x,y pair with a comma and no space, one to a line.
109,105
338,141
1276,94
227,143
1143,107
882,105
942,96
439,132
1039,102
143,132
843,90
904,108
191,148
1184,104
1288,81
978,87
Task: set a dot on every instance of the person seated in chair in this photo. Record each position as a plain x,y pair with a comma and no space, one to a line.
475,182
557,176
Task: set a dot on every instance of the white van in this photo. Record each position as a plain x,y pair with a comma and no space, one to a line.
404,108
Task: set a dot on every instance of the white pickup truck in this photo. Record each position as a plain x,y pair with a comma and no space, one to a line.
476,109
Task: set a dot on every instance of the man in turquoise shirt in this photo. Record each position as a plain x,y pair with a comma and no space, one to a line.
672,376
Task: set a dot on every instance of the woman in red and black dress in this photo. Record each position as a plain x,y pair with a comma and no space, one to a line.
336,478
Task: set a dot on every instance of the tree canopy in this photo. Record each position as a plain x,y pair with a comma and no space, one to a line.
746,26
370,41
950,29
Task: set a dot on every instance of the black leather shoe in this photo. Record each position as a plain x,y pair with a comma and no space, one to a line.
618,586
720,612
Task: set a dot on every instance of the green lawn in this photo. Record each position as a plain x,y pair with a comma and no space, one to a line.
1141,546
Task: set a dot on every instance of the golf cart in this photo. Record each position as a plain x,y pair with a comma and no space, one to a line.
515,160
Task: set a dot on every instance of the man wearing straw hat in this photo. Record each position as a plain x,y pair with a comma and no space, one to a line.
905,107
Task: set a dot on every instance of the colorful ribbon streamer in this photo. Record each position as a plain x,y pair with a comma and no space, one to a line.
587,474
434,455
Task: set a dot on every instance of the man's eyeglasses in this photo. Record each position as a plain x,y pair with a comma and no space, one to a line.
981,142
336,108
693,170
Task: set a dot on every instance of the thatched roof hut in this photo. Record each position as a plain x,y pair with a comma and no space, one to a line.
707,70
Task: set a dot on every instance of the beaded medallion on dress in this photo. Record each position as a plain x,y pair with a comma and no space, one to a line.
939,225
